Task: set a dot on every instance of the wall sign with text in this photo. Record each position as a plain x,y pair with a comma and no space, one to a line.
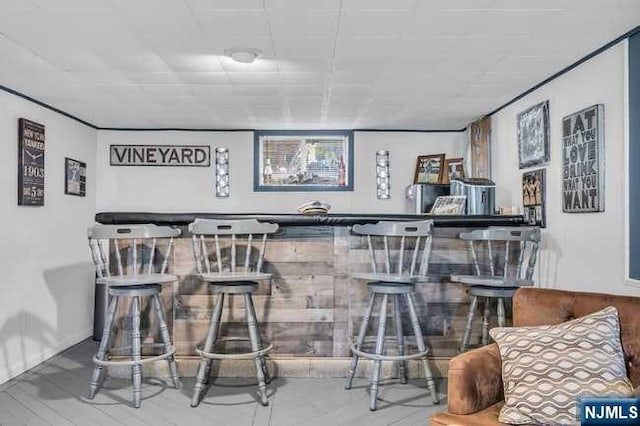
30,163
583,161
160,155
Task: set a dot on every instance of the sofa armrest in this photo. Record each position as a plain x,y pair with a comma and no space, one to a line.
475,380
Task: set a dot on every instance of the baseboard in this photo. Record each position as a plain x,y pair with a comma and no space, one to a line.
23,365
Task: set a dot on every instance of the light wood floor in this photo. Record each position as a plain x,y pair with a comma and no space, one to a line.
55,393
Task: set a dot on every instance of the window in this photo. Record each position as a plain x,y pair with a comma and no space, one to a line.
316,160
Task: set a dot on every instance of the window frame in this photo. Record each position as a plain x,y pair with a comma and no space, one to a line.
348,161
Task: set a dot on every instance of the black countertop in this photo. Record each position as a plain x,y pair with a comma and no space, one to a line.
307,220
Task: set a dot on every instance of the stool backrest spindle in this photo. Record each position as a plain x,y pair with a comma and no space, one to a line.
521,241
107,242
399,241
229,236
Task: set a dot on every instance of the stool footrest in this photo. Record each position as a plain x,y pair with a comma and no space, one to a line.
243,355
170,352
380,357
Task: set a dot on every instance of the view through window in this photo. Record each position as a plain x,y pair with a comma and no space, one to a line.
302,161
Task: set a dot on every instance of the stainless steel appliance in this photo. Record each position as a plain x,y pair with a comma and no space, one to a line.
421,196
480,193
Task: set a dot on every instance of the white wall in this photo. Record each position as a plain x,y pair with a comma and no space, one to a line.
581,251
191,189
47,291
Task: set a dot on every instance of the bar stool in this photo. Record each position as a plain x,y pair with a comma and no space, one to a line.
229,273
503,259
396,281
147,249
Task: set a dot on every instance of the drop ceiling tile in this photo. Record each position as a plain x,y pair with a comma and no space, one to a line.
305,24
254,78
304,65
310,6
365,47
196,78
374,23
104,76
78,60
386,5
259,66
226,5
303,47
213,91
242,23
363,65
71,5
140,63
308,90
153,77
192,63
166,90
297,78
217,44
272,91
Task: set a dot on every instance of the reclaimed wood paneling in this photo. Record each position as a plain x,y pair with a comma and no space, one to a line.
312,307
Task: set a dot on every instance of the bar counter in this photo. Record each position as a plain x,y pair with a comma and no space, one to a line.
311,307
308,220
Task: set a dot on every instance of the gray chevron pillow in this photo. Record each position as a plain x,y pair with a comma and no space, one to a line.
546,368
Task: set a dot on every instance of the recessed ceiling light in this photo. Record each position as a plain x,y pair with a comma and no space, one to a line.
243,55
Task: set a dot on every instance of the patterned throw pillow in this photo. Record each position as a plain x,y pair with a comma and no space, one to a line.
546,368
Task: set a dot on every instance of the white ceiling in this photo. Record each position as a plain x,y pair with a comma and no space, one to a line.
387,64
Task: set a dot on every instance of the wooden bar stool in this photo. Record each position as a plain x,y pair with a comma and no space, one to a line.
503,259
394,280
146,249
230,273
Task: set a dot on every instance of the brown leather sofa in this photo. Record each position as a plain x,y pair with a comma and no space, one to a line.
475,377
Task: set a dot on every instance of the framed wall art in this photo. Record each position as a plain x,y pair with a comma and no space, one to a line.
429,168
30,163
449,205
75,177
583,161
533,135
533,197
453,169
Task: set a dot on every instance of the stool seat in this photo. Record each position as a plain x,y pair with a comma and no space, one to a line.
491,281
234,276
385,287
142,279
136,290
135,274
387,278
493,292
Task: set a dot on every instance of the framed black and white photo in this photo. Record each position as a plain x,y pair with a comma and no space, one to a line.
75,177
533,135
429,168
583,161
453,169
533,197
